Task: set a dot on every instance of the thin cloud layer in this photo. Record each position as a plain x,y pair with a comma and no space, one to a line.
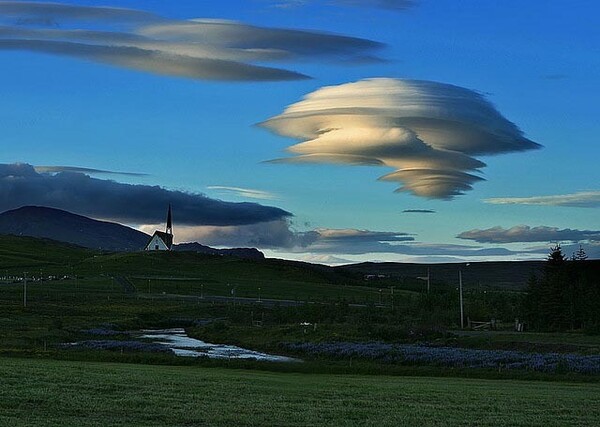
423,211
429,132
25,12
280,237
278,234
525,233
198,48
381,4
583,199
21,185
244,192
396,5
56,169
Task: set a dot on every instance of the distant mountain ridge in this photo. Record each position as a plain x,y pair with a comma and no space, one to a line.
62,226
247,253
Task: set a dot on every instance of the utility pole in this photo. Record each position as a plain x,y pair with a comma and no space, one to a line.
428,280
25,289
460,293
258,294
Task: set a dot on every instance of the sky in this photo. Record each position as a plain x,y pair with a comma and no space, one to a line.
329,131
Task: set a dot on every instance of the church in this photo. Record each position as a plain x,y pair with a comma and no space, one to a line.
162,241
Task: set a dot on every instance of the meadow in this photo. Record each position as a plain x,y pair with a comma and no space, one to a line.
363,360
66,393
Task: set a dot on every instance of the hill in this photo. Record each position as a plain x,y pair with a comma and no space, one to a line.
247,253
63,226
18,252
193,260
501,274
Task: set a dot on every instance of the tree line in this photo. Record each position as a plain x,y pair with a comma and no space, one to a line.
566,295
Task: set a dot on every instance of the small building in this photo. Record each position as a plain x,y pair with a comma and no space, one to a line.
162,240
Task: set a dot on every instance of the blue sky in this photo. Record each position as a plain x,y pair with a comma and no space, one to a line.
536,62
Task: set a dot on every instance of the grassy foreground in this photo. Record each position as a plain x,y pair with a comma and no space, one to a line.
46,392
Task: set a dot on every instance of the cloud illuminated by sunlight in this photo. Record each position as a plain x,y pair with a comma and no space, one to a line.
430,132
244,192
205,49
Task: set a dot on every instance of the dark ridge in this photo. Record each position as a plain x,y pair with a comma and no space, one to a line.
63,226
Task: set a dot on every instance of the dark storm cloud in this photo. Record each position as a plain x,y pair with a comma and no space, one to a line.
21,185
525,233
204,49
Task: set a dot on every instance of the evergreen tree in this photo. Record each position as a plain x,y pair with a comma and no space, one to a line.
567,295
580,255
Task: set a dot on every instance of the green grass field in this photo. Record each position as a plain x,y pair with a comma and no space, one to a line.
57,393
187,273
46,384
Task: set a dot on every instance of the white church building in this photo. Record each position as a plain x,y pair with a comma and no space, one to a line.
162,241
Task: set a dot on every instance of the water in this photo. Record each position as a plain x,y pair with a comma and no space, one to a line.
179,343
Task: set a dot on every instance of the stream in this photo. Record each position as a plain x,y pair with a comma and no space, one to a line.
181,344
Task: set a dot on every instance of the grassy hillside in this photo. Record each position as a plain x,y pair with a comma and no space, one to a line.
21,253
44,392
505,274
184,272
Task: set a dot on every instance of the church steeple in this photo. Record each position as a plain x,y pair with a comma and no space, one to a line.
169,229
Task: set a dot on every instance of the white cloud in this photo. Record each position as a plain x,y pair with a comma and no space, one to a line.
266,234
77,169
244,192
583,199
429,132
198,48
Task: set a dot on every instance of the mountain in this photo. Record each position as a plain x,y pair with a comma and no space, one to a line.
63,226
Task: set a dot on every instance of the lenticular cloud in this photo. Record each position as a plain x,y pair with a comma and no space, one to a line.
429,132
204,49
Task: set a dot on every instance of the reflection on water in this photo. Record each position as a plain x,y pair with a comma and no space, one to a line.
177,340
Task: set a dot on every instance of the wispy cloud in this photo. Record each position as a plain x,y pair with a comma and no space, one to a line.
91,171
582,199
398,5
244,192
555,76
525,233
429,132
21,185
395,5
423,211
25,12
205,49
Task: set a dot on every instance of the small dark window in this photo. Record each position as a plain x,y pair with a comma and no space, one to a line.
155,247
